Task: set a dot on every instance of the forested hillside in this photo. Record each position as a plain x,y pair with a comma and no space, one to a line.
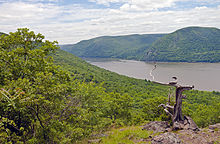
192,44
50,96
124,47
145,94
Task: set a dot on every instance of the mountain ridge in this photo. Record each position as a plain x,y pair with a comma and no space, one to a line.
124,47
190,44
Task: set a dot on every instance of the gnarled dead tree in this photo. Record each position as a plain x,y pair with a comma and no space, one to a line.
179,121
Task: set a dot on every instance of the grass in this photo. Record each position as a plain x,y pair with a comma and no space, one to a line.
126,135
122,135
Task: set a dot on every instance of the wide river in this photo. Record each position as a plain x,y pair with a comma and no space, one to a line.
204,76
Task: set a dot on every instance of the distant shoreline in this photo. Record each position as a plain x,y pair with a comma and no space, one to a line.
118,59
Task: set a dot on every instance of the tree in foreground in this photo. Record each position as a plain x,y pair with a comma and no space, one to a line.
27,77
34,96
179,121
40,103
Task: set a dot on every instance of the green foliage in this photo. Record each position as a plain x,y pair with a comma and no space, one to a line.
30,84
124,47
42,102
191,44
203,107
1,33
39,102
151,110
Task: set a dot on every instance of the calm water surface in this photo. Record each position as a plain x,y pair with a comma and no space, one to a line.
204,76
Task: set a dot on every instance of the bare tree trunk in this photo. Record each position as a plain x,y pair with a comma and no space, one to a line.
178,106
179,121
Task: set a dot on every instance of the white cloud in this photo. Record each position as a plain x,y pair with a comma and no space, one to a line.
150,4
27,13
139,4
200,8
73,23
108,2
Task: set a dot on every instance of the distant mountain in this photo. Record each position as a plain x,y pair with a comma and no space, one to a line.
191,44
124,47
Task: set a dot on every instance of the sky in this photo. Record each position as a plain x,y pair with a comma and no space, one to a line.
70,21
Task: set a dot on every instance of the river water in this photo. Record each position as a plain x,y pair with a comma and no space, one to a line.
204,76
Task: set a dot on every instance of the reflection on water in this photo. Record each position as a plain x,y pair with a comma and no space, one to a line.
204,76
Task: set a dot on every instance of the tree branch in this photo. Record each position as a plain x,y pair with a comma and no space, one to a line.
36,112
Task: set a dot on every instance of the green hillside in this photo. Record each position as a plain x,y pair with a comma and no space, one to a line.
191,44
124,47
145,94
113,82
51,96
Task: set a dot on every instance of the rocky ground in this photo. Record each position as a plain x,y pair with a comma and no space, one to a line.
210,135
159,132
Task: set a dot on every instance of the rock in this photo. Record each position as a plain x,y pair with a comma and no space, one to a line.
192,137
157,126
166,138
178,126
211,131
144,140
214,127
99,135
94,141
187,124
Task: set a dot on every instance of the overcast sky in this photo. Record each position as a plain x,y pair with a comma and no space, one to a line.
69,21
